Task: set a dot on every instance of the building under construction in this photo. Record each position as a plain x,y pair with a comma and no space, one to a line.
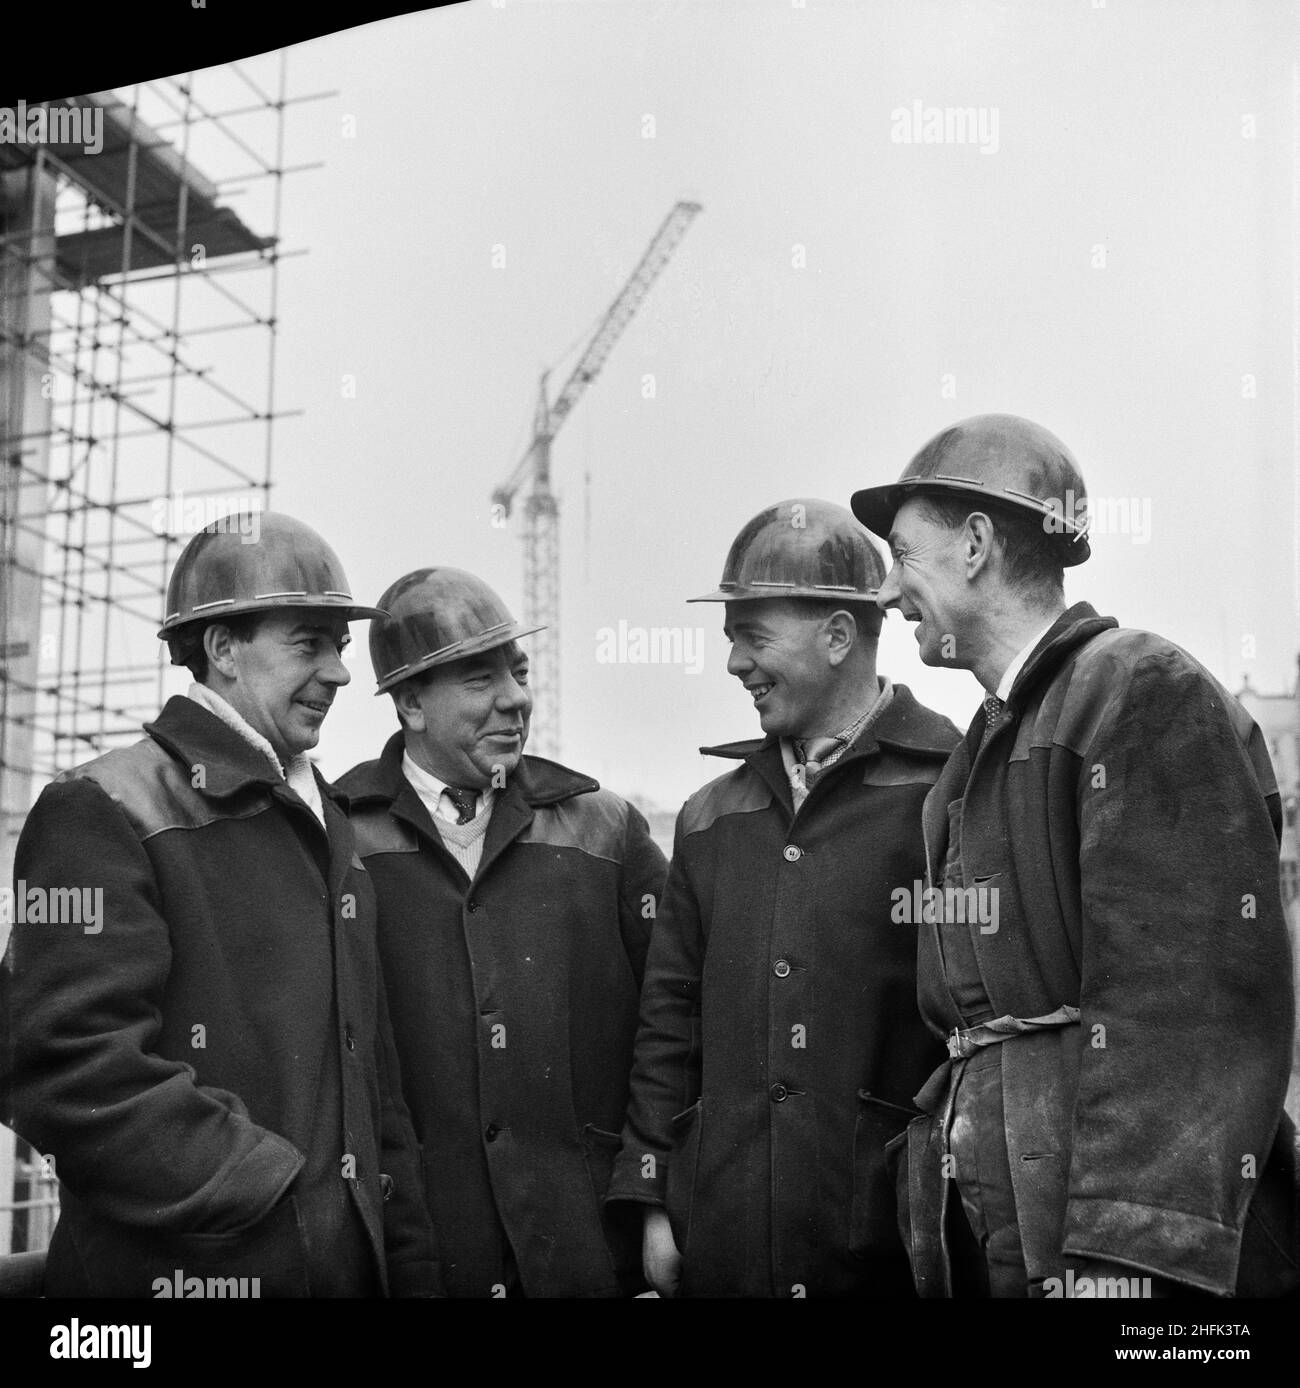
139,257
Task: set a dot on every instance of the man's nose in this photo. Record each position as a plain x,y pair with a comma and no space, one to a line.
512,695
334,671
890,592
738,661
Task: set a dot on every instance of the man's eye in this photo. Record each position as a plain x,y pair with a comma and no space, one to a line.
521,676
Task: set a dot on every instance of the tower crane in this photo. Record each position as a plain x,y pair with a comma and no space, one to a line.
541,510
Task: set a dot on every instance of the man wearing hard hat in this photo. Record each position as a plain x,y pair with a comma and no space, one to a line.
779,1044
208,1072
516,902
1110,1112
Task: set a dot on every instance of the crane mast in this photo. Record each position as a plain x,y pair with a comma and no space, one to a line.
541,509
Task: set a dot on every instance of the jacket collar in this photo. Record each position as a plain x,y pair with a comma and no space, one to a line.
381,784
1075,627
230,763
906,725
535,780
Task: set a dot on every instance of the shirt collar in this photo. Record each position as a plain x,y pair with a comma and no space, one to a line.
1003,690
849,736
428,787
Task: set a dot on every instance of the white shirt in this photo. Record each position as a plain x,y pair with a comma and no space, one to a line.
1018,664
430,790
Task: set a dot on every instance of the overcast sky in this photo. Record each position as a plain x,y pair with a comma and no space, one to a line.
1113,256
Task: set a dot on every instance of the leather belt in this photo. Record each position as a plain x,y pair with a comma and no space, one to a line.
963,1043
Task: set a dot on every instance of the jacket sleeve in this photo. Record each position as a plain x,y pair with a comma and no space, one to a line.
409,1247
1186,997
666,1067
641,885
132,1134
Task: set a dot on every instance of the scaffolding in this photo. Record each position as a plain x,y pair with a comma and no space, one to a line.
138,314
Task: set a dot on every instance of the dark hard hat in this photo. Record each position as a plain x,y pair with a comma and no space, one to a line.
994,458
223,571
802,548
435,616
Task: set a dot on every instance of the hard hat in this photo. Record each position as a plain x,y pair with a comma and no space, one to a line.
993,457
223,572
435,616
802,548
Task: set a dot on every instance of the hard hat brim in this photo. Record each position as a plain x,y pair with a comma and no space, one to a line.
217,611
459,650
781,590
876,508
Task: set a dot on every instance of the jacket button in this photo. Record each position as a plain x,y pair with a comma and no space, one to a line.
781,968
491,1131
471,906
792,853
779,1093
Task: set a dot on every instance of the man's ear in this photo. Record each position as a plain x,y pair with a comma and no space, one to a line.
978,541
218,646
406,698
841,633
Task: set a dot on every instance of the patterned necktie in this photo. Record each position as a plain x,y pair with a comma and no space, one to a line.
464,800
993,707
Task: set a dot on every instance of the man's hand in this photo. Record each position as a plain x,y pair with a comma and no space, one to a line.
660,1260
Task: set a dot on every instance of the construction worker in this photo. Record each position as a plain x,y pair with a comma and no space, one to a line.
207,1067
779,1042
516,902
1119,1045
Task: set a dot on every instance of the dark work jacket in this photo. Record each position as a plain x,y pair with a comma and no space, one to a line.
514,1002
1127,814
211,1071
780,1044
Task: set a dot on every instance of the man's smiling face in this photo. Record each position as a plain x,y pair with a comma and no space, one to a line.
286,676
927,582
779,653
471,716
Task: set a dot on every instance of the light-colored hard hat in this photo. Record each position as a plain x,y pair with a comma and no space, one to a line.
228,568
802,548
994,458
435,616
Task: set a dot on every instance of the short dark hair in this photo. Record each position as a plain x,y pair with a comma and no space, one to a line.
243,627
867,617
1032,556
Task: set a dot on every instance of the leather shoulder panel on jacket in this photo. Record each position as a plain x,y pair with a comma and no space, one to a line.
155,791
377,831
1098,678
741,791
595,823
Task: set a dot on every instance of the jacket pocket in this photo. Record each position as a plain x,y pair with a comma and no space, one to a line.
267,1260
879,1174
683,1166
